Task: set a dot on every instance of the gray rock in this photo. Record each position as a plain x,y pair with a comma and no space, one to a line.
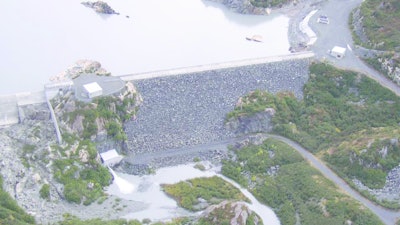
259,122
100,7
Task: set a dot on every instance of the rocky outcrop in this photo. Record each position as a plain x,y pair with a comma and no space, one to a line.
391,66
83,66
100,7
237,213
258,123
74,115
244,7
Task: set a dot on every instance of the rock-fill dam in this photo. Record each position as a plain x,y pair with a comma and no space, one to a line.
189,109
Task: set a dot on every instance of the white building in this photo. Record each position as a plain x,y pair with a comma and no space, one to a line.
338,52
93,89
110,157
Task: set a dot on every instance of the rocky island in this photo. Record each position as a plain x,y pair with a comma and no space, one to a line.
100,7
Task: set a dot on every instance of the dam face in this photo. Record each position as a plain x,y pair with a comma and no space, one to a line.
189,109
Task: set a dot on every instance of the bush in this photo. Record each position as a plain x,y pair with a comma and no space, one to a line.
45,191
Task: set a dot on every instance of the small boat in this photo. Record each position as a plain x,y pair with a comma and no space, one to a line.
256,38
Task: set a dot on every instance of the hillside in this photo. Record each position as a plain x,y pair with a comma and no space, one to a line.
10,212
345,118
376,27
381,24
279,177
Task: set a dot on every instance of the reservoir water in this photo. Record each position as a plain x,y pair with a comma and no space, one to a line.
41,38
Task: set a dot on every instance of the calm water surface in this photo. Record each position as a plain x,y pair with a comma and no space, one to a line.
41,38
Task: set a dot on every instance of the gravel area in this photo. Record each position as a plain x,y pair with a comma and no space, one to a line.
190,109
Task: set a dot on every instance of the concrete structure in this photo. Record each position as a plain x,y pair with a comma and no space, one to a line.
110,157
338,52
109,85
216,66
305,29
93,89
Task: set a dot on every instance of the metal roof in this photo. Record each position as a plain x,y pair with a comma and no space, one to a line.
92,87
109,155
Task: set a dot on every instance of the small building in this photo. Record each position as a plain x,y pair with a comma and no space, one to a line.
110,157
338,52
93,89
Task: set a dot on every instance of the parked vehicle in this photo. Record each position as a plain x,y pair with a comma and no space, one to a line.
323,19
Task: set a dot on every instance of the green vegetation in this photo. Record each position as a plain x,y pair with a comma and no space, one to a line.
214,190
45,191
381,22
79,168
72,220
381,25
10,212
339,109
295,188
27,150
107,109
82,175
200,166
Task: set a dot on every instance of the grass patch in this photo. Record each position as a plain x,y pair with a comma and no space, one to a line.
213,189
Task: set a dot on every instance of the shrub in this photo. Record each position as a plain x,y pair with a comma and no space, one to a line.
45,191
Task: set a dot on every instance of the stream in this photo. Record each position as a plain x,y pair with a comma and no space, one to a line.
160,207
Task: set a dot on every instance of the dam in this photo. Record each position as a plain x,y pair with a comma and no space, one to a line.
188,107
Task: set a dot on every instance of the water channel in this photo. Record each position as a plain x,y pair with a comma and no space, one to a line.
159,206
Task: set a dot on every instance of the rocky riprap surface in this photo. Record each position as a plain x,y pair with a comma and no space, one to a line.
188,110
100,7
